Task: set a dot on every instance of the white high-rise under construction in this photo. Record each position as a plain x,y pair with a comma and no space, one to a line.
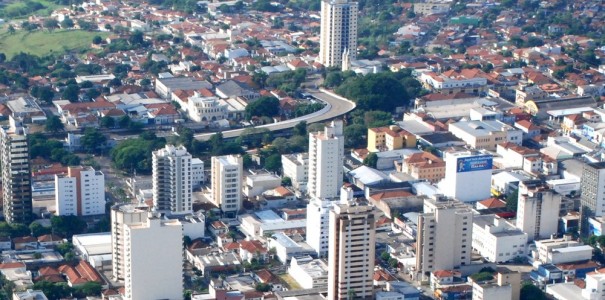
338,32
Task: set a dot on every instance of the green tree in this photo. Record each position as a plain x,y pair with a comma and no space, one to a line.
67,226
51,24
67,23
53,290
37,229
355,136
273,163
88,289
53,124
43,93
11,29
97,40
71,93
263,287
265,106
532,292
92,140
371,160
300,129
286,181
382,91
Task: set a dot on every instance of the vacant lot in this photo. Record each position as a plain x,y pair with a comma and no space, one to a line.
42,42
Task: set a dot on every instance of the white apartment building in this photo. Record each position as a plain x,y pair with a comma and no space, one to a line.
470,81
122,216
432,7
172,187
227,172
296,167
16,173
351,251
309,273
258,183
318,220
467,176
198,177
206,109
338,34
326,155
154,260
497,240
80,192
486,134
444,237
537,210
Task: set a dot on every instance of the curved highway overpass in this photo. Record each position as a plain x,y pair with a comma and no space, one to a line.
335,106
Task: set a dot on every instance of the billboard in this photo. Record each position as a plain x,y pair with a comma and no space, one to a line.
474,163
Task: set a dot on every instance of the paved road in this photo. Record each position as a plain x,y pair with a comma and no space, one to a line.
335,106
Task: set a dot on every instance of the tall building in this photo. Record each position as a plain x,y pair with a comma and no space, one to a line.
338,36
326,155
172,184
351,251
537,210
467,176
153,260
80,192
123,215
227,172
444,236
16,174
318,225
593,192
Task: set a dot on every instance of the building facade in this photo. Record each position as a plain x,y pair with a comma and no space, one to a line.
592,198
122,216
318,220
227,172
16,174
80,192
496,240
389,138
537,210
486,134
172,180
351,251
326,155
153,271
467,176
296,167
444,236
338,34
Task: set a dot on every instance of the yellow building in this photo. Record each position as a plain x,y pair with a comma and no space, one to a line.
389,138
424,165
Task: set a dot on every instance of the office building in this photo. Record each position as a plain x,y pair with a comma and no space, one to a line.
326,155
338,34
227,172
172,180
537,210
467,176
80,192
593,192
444,236
16,174
123,215
153,260
351,251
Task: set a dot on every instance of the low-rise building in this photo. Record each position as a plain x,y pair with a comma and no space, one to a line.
496,240
424,165
389,138
486,134
563,250
258,183
309,273
286,248
296,167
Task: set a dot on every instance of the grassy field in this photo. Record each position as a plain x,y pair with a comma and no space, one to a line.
20,9
42,42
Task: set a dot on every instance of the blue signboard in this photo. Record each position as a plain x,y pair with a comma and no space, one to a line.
475,163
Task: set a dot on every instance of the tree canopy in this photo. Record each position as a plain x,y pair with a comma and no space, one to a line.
135,154
265,106
382,91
